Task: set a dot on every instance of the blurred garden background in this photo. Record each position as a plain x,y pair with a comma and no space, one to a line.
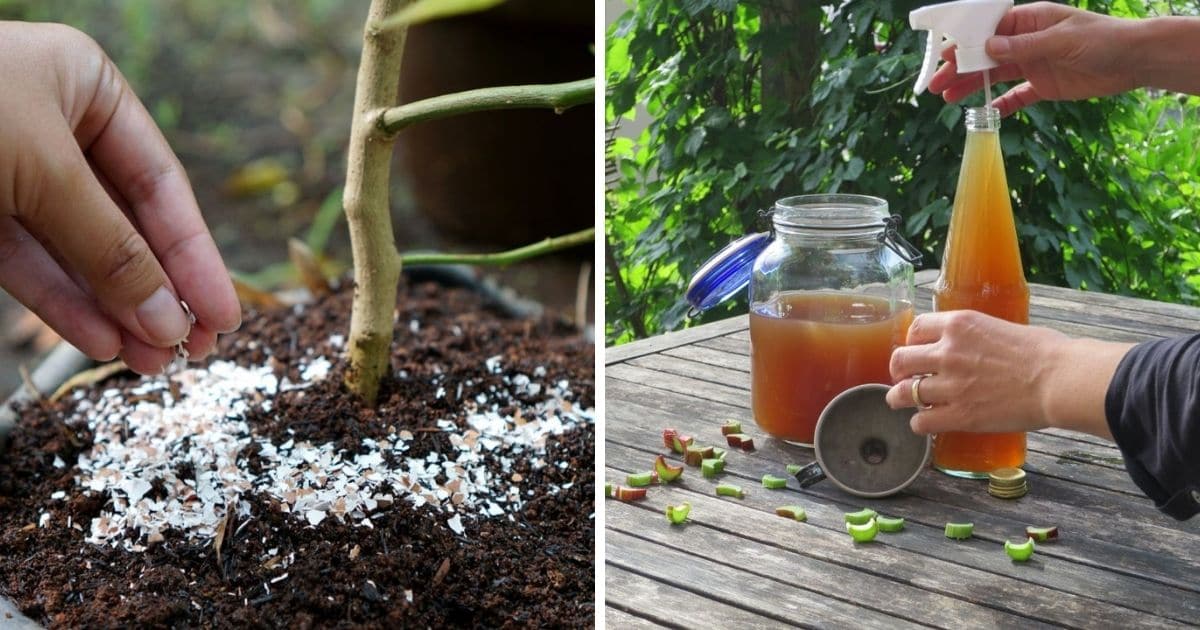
716,108
255,97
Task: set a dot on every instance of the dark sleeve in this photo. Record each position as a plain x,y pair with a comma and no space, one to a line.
1153,409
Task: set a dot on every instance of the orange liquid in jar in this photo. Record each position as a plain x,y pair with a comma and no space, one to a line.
981,270
806,348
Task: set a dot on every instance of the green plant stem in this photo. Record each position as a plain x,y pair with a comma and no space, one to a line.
509,257
556,96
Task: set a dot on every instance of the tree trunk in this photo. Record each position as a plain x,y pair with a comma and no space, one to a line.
376,261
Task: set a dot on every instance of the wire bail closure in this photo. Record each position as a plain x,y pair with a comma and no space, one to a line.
894,241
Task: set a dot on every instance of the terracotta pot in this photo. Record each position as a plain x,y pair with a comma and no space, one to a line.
502,178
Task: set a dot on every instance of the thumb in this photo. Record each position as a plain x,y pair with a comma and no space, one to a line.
1022,48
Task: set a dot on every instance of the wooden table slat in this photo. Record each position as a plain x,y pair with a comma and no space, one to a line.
692,570
1118,563
1092,464
623,581
641,423
965,571
687,609
708,534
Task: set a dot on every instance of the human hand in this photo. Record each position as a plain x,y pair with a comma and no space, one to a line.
988,375
1063,53
100,234
984,374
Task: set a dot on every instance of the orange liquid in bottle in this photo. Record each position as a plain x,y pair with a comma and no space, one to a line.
981,270
807,348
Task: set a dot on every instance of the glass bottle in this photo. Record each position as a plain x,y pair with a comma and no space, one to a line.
981,270
830,298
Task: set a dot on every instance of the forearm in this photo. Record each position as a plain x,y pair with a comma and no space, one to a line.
1073,394
1166,51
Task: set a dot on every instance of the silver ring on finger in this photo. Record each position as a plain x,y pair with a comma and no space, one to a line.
916,391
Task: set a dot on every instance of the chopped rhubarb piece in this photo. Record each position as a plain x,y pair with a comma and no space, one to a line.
630,494
793,469
889,524
772,482
719,453
712,467
861,516
640,480
1041,534
959,531
730,490
669,436
681,444
677,514
731,426
863,533
608,490
1019,552
666,472
697,454
794,512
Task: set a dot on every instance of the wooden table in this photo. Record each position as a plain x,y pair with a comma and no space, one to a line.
1119,563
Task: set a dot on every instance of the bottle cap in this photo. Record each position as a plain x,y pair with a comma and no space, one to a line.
1007,483
727,272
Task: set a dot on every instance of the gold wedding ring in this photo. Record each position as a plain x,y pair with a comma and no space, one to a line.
916,391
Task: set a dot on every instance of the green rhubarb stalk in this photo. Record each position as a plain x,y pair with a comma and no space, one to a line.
608,489
731,426
771,482
860,517
1019,552
793,469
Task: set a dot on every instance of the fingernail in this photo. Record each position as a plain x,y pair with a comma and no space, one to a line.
162,318
998,46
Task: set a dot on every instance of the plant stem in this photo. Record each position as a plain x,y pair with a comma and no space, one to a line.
556,96
369,158
509,257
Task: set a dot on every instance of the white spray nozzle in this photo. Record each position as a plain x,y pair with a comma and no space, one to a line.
969,23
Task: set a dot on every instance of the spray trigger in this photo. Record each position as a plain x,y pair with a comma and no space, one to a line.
964,23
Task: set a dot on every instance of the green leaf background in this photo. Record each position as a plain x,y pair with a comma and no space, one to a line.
1105,191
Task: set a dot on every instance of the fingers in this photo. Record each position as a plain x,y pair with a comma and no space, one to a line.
1020,96
71,211
958,87
927,327
932,391
935,420
201,342
35,279
915,359
142,357
136,160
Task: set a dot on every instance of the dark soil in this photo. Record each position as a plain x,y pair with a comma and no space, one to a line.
536,570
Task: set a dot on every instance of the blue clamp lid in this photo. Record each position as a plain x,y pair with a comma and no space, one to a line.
727,272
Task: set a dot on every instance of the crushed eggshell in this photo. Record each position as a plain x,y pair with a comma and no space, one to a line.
196,418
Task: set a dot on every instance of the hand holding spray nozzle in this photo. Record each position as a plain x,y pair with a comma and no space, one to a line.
969,23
